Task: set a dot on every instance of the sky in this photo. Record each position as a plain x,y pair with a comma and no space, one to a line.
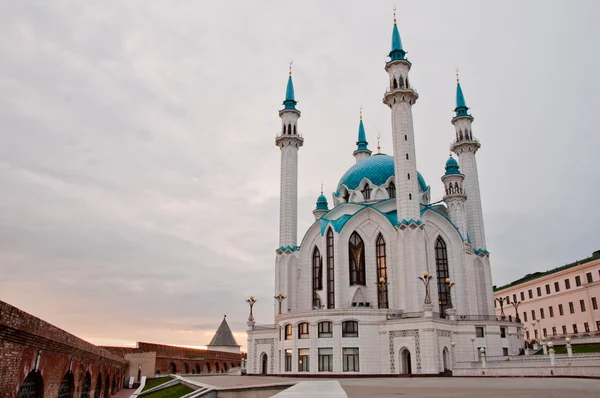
139,174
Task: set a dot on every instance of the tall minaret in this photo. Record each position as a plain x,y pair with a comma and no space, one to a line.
362,150
455,196
465,147
289,142
400,97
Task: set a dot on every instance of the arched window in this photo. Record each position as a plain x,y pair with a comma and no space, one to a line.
289,129
391,189
441,268
456,189
450,189
303,330
410,196
366,192
395,83
330,274
172,368
382,292
288,332
401,82
294,129
350,329
407,156
407,86
356,263
317,266
408,176
461,135
347,196
405,137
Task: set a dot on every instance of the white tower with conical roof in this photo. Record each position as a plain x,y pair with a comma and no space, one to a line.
289,141
362,150
455,196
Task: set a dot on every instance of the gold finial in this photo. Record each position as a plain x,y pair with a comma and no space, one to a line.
378,147
457,81
394,15
321,188
291,62
361,112
450,154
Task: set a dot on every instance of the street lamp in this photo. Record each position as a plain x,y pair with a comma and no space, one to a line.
381,293
280,297
500,301
251,302
425,279
516,305
450,286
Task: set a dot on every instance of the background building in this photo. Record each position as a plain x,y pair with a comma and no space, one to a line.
559,303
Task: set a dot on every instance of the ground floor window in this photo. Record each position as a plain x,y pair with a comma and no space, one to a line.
350,359
505,351
325,359
288,360
303,365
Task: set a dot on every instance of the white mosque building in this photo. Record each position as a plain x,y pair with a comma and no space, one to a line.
352,296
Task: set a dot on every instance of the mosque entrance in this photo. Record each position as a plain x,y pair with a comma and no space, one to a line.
263,363
446,358
405,362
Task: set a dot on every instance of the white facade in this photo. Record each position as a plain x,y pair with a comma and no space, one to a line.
355,298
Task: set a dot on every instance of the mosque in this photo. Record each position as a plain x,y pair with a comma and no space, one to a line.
386,281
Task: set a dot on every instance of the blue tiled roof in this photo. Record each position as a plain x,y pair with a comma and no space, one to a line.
377,169
290,101
452,166
461,105
322,203
397,50
362,138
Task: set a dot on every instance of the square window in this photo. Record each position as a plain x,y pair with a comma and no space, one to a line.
551,311
556,287
575,328
303,331
567,284
288,332
539,292
288,360
553,330
505,351
325,359
547,289
560,310
525,316
479,331
303,365
594,303
582,305
571,308
502,333
350,360
564,328
514,298
545,333
589,277
522,296
350,329
586,326
577,280
507,299
530,293
533,314
542,313
325,329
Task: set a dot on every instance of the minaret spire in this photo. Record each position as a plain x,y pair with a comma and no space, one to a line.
362,150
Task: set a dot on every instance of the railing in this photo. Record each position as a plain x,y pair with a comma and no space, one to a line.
389,89
410,315
484,318
264,327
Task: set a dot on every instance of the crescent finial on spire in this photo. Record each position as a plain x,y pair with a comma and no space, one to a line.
361,112
378,147
321,188
291,62
457,80
394,15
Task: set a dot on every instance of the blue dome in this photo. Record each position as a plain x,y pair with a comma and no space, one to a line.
377,169
452,166
322,203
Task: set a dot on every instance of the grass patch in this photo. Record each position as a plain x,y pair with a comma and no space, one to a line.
157,381
175,391
577,349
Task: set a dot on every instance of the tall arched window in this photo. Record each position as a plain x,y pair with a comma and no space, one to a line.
382,292
356,263
366,192
391,189
294,129
401,82
289,129
395,83
330,274
317,284
441,268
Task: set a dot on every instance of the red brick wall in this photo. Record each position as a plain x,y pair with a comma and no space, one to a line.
22,336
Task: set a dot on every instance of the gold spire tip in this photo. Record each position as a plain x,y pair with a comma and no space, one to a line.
457,80
361,112
291,62
394,15
378,147
321,188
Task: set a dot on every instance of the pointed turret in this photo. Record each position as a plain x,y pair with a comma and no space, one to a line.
223,339
461,106
397,50
290,102
362,150
322,206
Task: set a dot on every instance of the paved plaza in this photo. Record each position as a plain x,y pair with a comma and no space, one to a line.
437,386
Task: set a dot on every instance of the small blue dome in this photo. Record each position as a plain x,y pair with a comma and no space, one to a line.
377,169
322,203
452,166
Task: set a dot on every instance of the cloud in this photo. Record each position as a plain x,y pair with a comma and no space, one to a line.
139,173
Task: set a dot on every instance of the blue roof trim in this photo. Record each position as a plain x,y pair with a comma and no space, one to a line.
339,223
431,208
322,203
481,251
290,101
397,52
287,248
461,106
406,222
362,144
452,166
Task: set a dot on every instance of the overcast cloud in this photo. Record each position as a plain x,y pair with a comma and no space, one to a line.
140,180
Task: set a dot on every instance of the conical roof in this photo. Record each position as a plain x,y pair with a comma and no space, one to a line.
223,336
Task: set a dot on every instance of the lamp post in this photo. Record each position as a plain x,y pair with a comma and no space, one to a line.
500,301
452,344
426,278
280,297
474,352
251,302
516,305
381,293
450,286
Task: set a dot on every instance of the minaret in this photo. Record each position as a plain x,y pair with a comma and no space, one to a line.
362,151
322,206
455,196
289,141
465,146
400,97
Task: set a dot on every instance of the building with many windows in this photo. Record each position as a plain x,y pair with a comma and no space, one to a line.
386,281
555,304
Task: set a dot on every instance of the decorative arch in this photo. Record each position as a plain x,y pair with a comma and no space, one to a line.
172,368
264,361
356,259
330,270
98,388
206,368
32,386
442,272
106,386
391,189
86,386
366,191
317,277
217,368
382,276
446,359
197,368
186,368
225,367
405,361
67,386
